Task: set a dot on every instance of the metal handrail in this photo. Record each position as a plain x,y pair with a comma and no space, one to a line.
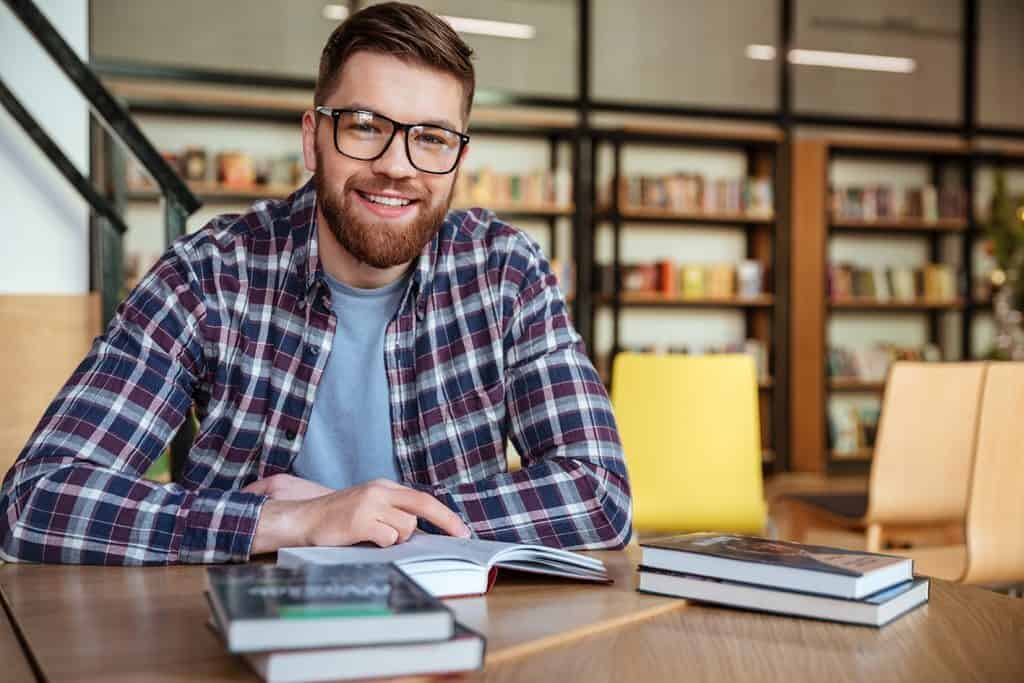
106,109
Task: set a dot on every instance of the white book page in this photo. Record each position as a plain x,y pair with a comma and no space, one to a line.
439,551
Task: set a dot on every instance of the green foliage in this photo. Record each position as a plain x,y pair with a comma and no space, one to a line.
1005,229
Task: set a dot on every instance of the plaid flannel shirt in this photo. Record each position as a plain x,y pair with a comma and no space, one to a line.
236,320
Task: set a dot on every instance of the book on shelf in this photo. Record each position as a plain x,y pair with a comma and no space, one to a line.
263,607
538,188
782,565
882,203
877,609
689,281
693,193
852,427
872,364
446,566
935,282
463,651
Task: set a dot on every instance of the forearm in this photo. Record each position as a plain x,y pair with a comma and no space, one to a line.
561,501
84,514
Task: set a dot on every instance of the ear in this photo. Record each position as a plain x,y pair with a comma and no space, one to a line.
309,128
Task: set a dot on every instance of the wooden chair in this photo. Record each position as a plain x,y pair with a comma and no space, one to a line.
921,467
994,549
691,433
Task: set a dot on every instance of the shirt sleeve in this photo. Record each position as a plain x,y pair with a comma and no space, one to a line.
76,493
573,489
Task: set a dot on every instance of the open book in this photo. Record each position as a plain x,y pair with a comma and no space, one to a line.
446,566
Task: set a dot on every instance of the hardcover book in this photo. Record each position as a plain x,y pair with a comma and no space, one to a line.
263,607
874,610
778,564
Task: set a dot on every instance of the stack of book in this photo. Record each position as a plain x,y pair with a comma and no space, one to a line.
782,577
852,428
319,623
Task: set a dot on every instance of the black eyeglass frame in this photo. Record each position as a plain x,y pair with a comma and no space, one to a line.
396,126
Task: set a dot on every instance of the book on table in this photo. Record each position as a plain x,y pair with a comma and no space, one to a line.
463,651
874,610
446,566
263,607
777,564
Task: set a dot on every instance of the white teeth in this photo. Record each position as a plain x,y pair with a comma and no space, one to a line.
387,201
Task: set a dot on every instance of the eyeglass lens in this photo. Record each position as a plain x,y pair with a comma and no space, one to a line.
363,135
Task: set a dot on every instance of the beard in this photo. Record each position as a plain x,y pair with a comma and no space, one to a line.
376,242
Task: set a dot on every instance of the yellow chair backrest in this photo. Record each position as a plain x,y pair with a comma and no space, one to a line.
995,514
691,433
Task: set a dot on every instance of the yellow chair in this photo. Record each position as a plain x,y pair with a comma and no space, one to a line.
691,433
994,550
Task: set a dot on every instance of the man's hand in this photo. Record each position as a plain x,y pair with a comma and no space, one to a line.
380,511
287,487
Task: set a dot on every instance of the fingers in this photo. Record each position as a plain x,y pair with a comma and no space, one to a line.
400,521
383,535
427,507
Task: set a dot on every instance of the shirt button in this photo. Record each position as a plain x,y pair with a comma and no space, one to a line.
301,305
290,435
312,349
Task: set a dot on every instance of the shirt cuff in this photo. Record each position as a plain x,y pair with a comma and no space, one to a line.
219,526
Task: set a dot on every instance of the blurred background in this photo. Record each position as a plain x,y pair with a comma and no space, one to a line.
824,187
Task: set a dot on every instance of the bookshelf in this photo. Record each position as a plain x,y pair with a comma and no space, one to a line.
754,235
816,313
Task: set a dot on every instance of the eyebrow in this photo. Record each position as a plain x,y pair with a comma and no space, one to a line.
441,123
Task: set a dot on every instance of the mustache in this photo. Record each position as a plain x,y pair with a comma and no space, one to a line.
381,186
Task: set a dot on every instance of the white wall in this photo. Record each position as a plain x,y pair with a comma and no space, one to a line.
43,219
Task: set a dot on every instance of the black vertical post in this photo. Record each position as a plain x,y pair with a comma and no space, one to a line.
781,312
616,247
583,188
553,219
969,33
785,103
783,198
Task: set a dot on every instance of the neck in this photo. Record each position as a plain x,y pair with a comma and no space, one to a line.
346,268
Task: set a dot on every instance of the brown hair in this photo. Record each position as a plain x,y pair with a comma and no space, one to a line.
407,32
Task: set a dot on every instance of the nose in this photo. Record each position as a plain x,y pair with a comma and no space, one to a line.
394,162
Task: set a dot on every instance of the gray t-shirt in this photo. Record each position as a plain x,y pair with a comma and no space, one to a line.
348,441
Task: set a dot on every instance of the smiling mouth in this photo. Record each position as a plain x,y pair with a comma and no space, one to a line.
385,200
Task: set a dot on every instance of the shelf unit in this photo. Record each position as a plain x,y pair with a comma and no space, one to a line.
764,316
812,388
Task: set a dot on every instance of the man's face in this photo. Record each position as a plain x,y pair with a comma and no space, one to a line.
377,234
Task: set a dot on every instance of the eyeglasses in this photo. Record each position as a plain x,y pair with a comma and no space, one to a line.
365,135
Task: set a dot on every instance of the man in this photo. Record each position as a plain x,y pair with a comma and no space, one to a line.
356,354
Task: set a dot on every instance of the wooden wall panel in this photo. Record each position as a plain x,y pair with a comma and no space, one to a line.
807,305
44,338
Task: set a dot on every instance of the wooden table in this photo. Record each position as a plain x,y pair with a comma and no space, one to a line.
114,624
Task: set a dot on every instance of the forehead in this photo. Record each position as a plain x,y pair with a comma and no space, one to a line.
400,90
